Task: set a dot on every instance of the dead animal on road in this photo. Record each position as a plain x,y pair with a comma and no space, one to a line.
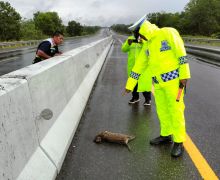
118,138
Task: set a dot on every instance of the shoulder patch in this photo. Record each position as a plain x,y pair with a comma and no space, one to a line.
164,46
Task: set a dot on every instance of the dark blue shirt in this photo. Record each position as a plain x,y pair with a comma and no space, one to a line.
46,47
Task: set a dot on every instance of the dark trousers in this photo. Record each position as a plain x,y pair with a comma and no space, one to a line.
146,94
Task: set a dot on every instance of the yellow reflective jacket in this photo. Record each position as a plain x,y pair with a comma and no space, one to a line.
133,51
164,52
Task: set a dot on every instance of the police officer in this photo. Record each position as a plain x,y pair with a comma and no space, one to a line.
132,46
165,55
49,47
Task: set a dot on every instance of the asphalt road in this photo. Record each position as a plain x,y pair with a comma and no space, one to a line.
108,110
24,57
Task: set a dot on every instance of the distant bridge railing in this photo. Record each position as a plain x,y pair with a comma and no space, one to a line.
16,44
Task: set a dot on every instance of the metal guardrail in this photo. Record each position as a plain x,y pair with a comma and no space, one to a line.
202,48
200,40
211,54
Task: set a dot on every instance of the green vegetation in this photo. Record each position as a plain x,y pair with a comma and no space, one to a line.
200,17
29,31
48,22
121,28
74,28
12,27
9,22
90,29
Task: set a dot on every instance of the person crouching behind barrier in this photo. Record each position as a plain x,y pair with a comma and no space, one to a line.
49,47
132,46
164,53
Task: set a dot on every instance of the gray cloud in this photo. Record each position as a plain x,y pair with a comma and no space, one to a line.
97,12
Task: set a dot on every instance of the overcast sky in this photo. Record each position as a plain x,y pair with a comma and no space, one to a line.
97,12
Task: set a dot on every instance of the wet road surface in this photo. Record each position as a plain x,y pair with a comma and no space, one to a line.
108,110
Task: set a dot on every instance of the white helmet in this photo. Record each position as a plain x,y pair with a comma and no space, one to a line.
138,23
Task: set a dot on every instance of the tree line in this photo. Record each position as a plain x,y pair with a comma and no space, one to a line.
200,17
43,24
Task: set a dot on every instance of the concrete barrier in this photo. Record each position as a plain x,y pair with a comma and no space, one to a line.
32,147
18,134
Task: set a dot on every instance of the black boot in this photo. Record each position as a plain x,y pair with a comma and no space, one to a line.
161,140
134,100
147,96
177,150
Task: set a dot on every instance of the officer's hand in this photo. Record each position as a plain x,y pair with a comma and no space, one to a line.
126,91
130,41
183,82
57,54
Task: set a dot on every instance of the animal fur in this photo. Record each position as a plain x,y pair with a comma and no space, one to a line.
118,138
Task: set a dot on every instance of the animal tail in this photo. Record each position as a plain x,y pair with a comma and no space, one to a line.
129,148
131,138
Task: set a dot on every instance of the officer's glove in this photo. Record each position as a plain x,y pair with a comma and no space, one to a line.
130,41
183,83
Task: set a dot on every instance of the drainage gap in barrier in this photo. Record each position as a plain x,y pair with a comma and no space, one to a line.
15,76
